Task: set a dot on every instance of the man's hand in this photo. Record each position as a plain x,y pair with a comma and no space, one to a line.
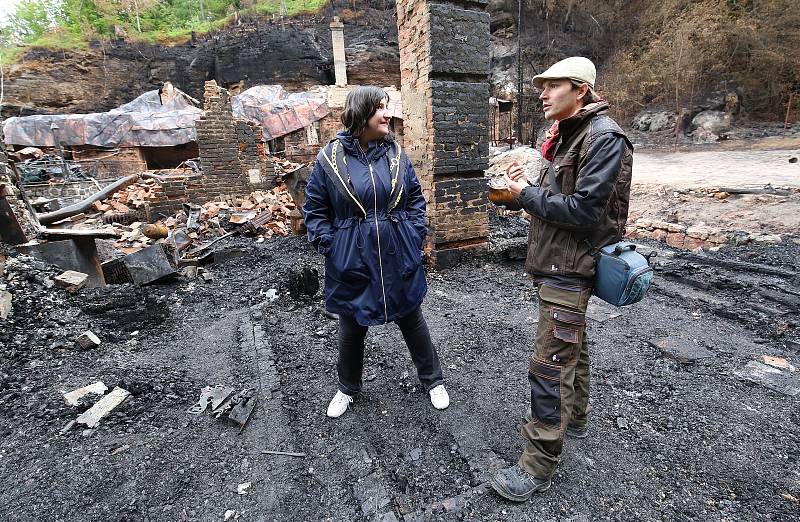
515,178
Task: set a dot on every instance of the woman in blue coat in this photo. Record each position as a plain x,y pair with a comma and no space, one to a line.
365,213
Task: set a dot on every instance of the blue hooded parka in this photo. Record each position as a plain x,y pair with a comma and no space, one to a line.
365,213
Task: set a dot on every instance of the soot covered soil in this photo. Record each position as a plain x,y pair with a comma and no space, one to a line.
671,437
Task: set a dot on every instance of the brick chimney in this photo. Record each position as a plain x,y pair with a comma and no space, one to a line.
339,63
445,88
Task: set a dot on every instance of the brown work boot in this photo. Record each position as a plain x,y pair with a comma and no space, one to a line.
573,430
514,483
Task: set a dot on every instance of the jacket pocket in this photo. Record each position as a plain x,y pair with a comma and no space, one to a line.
410,246
566,174
346,264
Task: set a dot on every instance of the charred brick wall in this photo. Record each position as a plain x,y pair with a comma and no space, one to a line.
444,73
232,151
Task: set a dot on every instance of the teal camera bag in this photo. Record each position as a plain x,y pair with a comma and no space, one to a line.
623,274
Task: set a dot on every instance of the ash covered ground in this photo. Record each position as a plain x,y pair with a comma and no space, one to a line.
676,433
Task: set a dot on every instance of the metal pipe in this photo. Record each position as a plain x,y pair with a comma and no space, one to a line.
83,206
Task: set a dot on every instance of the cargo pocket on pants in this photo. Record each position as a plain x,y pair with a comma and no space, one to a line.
545,382
567,325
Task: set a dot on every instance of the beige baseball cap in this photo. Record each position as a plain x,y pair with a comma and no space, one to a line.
575,68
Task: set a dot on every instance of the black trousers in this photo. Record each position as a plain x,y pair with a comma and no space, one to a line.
418,339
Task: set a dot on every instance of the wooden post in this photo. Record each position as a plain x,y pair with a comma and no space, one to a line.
788,111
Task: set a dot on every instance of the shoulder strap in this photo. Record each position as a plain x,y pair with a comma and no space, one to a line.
397,168
331,158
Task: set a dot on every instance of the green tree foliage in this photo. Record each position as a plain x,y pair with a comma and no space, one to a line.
146,19
149,18
30,20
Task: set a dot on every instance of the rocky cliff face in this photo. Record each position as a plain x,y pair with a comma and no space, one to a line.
296,54
96,79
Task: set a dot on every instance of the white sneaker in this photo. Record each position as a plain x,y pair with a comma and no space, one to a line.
339,404
439,397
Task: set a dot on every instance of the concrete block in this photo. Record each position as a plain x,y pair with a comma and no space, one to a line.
71,281
87,340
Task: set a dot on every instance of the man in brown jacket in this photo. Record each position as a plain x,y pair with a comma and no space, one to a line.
579,204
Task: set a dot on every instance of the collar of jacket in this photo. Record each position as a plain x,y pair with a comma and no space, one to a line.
568,126
377,149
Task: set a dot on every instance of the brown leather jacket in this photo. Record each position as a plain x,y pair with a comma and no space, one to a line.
581,200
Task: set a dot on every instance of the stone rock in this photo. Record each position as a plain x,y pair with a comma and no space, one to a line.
701,231
71,281
661,121
702,135
777,362
715,122
766,239
660,235
530,158
782,381
87,340
642,121
693,243
653,121
681,350
672,227
676,239
719,238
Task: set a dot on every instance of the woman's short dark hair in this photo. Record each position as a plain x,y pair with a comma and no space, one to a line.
360,105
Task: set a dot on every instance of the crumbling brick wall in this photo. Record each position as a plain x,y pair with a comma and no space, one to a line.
222,154
232,154
444,68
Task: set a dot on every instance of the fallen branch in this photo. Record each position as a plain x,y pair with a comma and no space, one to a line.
82,206
765,190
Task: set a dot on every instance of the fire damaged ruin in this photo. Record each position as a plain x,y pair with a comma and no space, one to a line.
166,352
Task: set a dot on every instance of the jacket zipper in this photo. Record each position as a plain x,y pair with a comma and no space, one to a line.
378,233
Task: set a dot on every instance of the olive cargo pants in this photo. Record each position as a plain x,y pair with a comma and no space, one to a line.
559,377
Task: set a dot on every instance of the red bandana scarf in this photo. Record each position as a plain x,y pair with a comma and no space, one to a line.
550,142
